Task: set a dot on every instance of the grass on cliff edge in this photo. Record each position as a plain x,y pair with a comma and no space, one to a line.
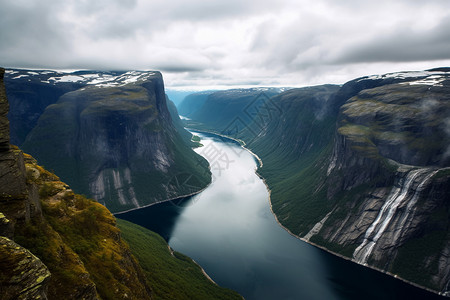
171,275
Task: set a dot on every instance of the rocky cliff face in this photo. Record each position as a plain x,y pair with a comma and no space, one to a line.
363,170
29,93
23,276
389,172
77,250
114,140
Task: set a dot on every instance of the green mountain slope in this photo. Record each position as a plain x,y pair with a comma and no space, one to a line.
171,274
228,110
56,244
361,170
376,191
118,144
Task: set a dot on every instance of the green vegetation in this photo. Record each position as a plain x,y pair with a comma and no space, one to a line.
418,256
117,134
295,147
346,251
77,239
398,121
296,199
172,275
196,139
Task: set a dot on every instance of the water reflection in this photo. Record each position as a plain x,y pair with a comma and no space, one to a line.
230,231
160,218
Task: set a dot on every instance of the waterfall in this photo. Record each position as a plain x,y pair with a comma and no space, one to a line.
411,204
406,191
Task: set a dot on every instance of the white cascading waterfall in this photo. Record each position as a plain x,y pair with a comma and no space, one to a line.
411,204
408,191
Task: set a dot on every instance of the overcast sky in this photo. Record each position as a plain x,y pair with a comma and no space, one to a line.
208,43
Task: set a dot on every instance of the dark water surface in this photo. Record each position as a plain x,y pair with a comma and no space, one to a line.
230,231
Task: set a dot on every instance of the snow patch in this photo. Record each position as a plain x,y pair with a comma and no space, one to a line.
20,76
67,78
99,79
403,75
434,80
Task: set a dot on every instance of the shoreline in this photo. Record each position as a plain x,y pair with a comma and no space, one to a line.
163,201
340,255
243,144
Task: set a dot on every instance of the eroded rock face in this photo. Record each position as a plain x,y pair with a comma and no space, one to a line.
389,173
23,275
68,235
111,137
17,201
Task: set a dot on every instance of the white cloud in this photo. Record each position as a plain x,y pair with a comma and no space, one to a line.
269,42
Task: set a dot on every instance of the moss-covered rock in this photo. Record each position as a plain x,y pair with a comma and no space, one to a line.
22,275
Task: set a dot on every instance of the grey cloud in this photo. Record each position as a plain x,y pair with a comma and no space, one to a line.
178,68
88,7
30,31
402,45
22,21
291,46
196,10
201,41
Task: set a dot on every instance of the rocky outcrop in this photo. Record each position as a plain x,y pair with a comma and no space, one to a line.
18,199
55,244
387,175
29,93
112,137
23,275
361,170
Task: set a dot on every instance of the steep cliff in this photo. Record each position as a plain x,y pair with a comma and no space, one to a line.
29,93
55,244
116,141
23,276
388,177
361,170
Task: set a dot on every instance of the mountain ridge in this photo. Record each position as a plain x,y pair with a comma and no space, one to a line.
117,141
349,193
56,244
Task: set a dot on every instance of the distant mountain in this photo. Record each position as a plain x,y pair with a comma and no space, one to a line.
108,134
193,102
177,96
361,170
56,244
203,107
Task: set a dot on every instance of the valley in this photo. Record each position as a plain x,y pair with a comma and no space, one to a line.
109,135
202,150
230,231
360,170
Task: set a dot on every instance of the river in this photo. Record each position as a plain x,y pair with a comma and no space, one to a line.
230,231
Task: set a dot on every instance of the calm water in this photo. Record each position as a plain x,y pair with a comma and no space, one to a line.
230,231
